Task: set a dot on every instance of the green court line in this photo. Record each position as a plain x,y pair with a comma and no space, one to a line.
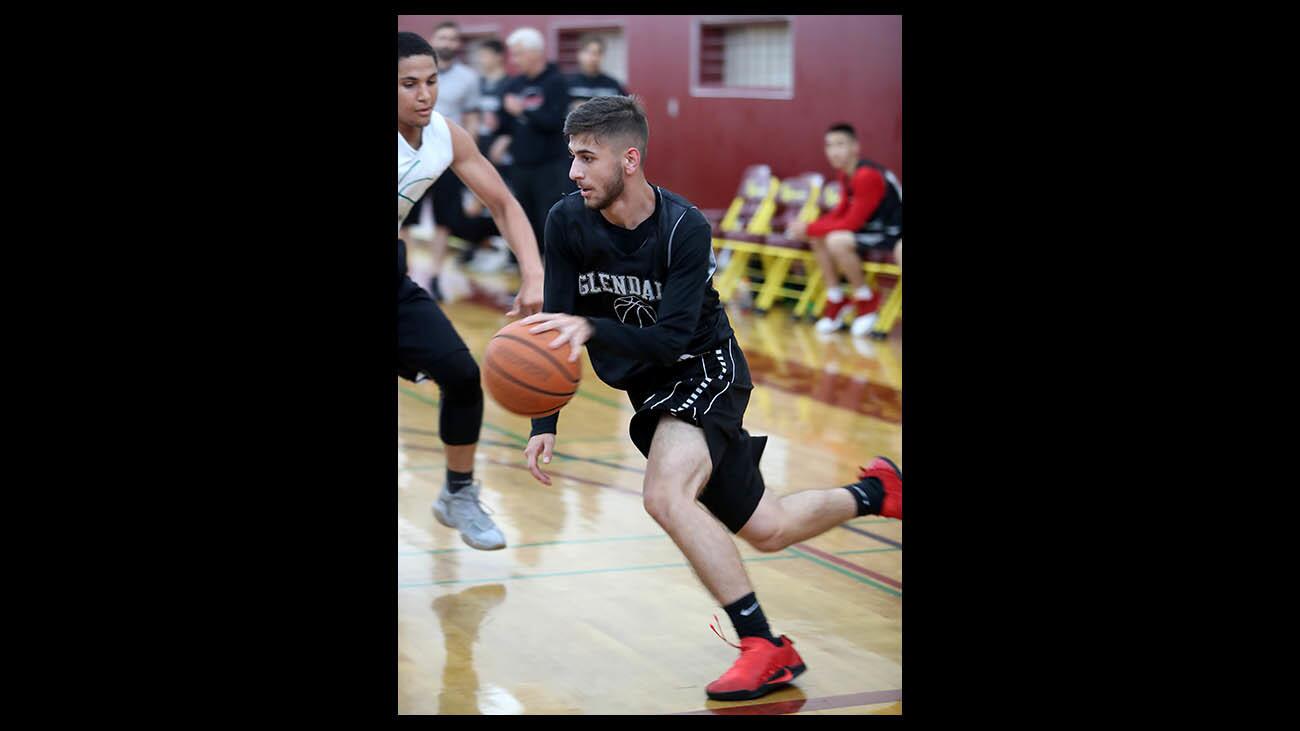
846,572
871,521
602,400
522,440
424,584
868,550
585,440
797,554
558,458
434,402
426,552
618,455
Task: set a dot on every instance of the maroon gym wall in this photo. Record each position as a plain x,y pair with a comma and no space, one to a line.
846,68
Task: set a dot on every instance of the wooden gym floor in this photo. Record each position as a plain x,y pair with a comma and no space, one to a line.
591,609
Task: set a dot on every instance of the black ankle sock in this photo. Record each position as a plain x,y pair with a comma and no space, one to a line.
457,481
869,493
747,617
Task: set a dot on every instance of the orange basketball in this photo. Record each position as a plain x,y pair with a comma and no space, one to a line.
525,376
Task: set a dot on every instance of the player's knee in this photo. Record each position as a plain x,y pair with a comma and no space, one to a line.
664,498
770,542
840,241
458,377
765,535
461,414
658,505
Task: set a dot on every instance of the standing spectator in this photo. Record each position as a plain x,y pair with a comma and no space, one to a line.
489,59
490,62
535,103
458,84
590,81
869,216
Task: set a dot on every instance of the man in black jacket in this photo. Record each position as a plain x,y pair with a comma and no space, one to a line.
534,104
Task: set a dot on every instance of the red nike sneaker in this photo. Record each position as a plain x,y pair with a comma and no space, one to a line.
892,478
762,668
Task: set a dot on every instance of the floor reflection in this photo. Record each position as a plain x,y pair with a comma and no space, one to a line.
461,614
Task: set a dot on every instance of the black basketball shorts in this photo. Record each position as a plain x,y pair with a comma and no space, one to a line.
867,241
711,391
424,334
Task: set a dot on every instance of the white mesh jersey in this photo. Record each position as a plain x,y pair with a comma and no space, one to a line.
417,169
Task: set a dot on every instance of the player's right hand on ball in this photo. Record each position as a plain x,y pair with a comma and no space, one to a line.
541,445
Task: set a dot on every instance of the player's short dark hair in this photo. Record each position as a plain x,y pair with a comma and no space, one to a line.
584,41
605,117
844,127
446,24
411,44
495,44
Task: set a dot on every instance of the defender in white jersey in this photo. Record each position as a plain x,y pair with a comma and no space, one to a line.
427,344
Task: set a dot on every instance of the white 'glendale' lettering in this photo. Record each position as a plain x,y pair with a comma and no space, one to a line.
593,283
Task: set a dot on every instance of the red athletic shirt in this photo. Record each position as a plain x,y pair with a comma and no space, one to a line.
860,201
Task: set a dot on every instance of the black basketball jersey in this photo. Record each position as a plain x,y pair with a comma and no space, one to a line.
888,216
652,307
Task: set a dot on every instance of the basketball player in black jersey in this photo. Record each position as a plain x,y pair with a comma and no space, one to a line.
629,270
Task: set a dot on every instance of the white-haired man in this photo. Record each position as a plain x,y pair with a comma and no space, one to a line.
533,105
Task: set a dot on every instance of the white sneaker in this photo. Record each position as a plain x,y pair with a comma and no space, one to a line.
862,325
826,325
833,316
486,262
464,512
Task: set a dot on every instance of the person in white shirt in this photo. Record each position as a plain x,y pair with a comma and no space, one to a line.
428,346
458,101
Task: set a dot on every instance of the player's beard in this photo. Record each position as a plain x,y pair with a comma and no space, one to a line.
610,194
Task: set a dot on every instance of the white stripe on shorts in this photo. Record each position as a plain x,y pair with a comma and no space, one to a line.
728,383
670,395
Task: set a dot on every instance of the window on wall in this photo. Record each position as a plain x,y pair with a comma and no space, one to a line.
744,58
614,61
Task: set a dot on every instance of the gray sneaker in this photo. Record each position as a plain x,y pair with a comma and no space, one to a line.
464,512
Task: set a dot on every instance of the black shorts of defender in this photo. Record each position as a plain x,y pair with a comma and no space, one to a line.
711,391
425,337
428,346
869,241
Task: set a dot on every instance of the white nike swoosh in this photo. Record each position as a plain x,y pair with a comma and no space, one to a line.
859,491
747,612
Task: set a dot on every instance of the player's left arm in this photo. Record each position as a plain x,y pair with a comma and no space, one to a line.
868,192
485,182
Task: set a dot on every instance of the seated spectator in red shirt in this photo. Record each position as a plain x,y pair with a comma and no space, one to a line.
869,216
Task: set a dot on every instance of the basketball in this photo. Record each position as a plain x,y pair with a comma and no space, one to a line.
525,376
